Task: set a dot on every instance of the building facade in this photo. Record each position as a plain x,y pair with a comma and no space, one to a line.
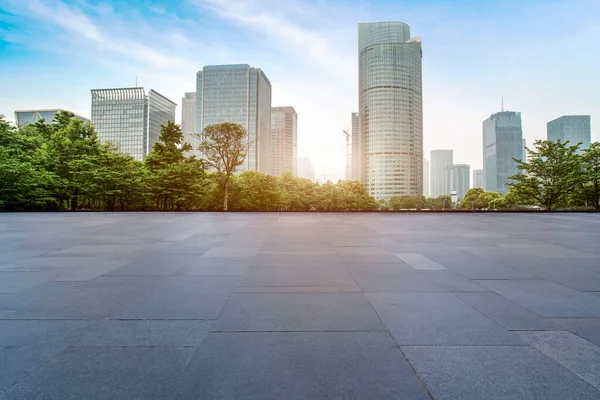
390,109
425,177
25,117
441,160
130,118
242,95
572,128
306,168
284,140
459,179
502,142
188,120
355,137
478,179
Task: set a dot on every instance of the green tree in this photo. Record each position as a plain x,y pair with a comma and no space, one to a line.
296,194
224,148
470,199
487,201
404,202
551,173
258,192
590,162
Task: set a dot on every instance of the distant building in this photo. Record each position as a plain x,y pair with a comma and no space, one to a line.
440,161
572,128
25,117
242,95
524,158
130,118
425,177
478,179
355,136
459,179
390,109
284,140
502,142
188,119
305,168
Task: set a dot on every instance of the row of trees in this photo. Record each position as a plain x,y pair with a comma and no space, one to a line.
64,166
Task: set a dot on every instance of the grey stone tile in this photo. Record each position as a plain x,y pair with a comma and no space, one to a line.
17,334
171,333
369,259
233,251
437,319
419,262
94,250
547,298
361,251
292,260
139,281
506,313
178,248
15,282
398,282
107,372
92,272
296,248
495,372
46,264
577,355
299,312
587,328
379,268
297,289
323,365
157,264
292,276
453,282
488,250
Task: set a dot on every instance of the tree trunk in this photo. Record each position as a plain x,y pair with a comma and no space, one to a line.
225,195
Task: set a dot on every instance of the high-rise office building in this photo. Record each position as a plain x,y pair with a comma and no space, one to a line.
305,168
188,120
355,136
524,158
130,118
440,161
478,179
425,177
572,128
24,117
459,179
390,109
242,95
284,140
502,142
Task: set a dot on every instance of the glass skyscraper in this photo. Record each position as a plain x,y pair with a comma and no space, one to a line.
390,109
502,141
441,160
477,179
355,134
459,179
24,117
188,120
284,140
242,95
130,118
572,128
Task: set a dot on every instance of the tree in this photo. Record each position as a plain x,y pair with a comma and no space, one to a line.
224,148
552,172
590,162
470,199
404,202
487,201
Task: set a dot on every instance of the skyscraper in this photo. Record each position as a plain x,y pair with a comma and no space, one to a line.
502,141
524,158
242,95
24,117
390,109
440,161
284,140
306,168
355,135
478,179
459,179
572,128
130,118
188,119
425,177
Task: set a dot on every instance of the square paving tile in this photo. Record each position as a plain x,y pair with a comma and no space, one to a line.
419,262
399,282
324,365
495,372
292,276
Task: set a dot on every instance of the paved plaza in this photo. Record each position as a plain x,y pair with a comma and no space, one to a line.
299,306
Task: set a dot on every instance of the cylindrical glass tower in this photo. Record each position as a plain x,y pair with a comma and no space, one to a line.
391,109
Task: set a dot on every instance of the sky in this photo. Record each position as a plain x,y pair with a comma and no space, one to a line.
543,56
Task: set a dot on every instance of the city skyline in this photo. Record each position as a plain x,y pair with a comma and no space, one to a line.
312,63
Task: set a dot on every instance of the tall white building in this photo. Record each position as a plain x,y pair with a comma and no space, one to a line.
440,161
242,95
478,179
188,119
459,179
355,136
284,140
130,118
425,177
390,109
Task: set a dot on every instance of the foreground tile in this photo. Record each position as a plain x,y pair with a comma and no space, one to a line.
496,372
324,365
419,262
291,276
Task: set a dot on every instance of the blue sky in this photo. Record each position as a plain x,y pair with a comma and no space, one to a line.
543,56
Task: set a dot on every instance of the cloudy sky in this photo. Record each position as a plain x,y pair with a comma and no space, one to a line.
542,55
